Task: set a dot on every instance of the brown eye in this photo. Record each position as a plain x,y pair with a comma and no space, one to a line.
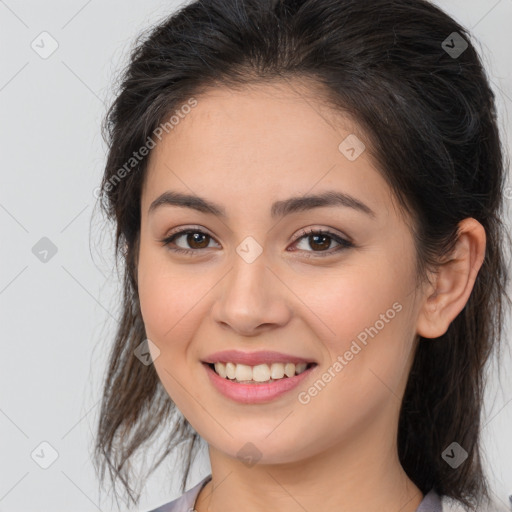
320,241
195,239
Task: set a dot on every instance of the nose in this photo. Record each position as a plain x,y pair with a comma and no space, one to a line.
252,298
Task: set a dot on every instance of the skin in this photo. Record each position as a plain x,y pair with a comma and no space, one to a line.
244,150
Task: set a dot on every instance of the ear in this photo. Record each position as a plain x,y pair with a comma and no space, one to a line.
453,282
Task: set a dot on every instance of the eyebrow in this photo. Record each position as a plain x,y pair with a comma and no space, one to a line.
278,209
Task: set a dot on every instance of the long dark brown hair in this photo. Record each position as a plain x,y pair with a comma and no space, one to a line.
426,107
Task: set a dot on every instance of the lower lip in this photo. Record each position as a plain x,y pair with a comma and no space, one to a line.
255,393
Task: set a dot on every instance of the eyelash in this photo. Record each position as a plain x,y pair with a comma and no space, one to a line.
343,244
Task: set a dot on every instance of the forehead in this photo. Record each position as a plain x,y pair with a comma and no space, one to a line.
269,140
297,112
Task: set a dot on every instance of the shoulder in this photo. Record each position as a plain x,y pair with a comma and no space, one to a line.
431,502
452,505
185,503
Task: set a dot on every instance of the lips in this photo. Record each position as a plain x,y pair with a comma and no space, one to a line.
256,392
254,358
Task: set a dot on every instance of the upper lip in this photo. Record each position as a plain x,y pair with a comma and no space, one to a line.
254,358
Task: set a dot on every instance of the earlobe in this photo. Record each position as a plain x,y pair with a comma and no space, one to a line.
453,281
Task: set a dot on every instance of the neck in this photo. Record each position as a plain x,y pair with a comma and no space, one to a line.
355,477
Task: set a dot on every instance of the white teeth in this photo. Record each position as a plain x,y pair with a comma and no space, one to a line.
230,370
289,369
277,371
243,372
299,368
260,372
220,368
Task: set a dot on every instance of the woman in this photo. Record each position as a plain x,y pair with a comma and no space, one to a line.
307,198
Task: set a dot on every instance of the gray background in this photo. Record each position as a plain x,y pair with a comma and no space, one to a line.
58,316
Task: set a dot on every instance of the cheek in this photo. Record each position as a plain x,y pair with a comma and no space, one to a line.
170,306
173,303
347,303
368,354
167,296
363,316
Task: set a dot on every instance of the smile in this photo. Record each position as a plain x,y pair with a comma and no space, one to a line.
259,373
241,383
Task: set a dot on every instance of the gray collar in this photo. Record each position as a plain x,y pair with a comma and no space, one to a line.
431,503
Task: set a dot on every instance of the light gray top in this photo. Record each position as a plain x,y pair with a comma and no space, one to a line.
185,503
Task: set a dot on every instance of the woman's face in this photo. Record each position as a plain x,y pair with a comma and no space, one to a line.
255,279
